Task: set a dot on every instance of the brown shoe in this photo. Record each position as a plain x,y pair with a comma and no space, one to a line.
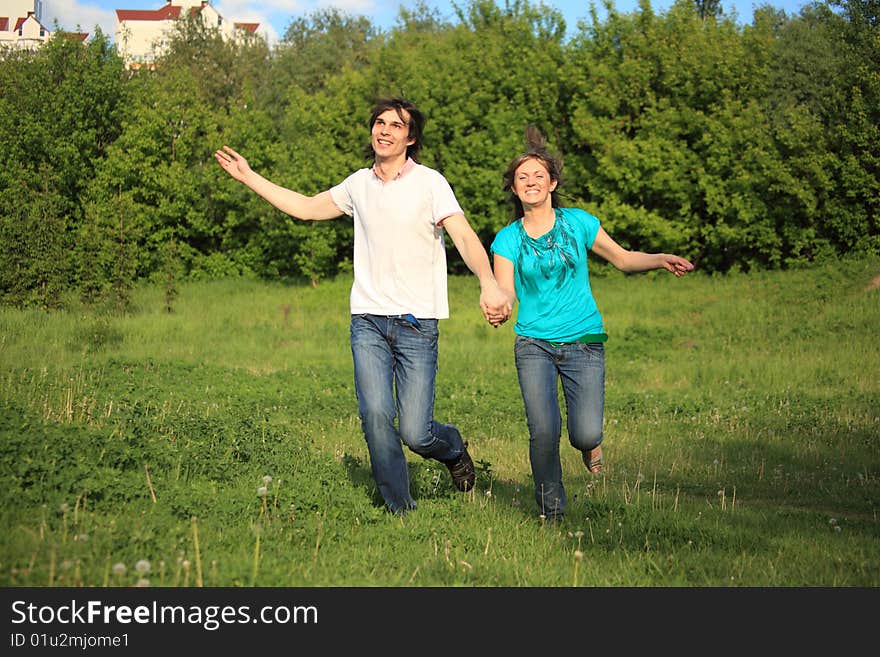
462,471
593,459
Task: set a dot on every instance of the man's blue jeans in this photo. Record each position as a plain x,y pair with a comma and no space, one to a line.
539,367
393,354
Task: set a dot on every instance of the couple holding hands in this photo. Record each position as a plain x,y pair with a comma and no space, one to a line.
400,209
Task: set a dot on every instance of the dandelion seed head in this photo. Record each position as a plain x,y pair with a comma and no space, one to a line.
578,555
837,528
143,582
185,564
833,521
488,493
579,533
261,491
119,568
62,508
267,479
142,566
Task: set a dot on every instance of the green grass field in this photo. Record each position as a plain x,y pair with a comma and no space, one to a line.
742,443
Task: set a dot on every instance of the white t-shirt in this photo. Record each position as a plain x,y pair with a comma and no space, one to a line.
399,253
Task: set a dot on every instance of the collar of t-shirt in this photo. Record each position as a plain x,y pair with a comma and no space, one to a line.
408,166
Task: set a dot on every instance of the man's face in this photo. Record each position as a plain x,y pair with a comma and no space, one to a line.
390,135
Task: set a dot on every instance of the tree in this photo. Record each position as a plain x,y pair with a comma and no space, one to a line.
61,108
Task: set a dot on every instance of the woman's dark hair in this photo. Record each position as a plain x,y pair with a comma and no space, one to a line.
416,123
536,149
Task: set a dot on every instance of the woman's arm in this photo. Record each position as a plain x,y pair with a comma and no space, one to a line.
504,276
635,261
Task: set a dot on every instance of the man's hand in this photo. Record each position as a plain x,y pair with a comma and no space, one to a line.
233,163
495,304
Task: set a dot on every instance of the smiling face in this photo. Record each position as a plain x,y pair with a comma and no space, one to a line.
532,183
390,134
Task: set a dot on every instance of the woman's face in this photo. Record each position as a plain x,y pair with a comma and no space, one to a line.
532,183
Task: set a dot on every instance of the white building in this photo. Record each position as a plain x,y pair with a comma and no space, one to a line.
143,35
20,25
18,8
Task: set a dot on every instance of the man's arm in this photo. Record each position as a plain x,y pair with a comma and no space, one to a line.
493,301
309,208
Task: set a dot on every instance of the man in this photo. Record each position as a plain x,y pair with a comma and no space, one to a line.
400,208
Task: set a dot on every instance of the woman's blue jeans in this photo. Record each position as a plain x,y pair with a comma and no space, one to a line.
394,355
581,368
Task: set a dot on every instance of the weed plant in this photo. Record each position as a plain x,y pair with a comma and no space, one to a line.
219,445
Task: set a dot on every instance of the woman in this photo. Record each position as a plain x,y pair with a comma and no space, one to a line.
541,260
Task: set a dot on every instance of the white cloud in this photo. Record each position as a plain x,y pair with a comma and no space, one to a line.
73,15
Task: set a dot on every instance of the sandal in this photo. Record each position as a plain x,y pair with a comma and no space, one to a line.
593,459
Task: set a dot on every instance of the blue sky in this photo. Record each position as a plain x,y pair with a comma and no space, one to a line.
275,15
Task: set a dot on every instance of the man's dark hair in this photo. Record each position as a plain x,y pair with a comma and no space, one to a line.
536,149
416,123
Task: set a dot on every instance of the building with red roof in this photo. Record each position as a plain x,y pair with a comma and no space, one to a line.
21,26
142,34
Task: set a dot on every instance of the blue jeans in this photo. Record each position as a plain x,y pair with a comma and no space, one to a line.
539,367
391,354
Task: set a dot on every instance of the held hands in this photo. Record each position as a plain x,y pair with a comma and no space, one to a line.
676,264
233,163
495,305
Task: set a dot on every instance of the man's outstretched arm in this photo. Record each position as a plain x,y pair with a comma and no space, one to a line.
309,208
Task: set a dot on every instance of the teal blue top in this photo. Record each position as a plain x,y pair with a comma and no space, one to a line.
551,278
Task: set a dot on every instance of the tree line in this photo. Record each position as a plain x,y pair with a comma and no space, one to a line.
738,146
